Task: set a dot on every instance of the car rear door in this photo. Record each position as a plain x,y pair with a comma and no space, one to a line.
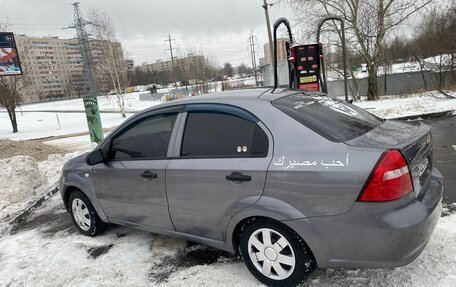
130,185
222,156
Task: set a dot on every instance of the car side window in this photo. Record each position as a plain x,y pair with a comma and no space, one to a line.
216,134
147,138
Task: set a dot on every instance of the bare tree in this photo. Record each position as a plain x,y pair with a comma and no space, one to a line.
438,41
110,55
368,23
11,87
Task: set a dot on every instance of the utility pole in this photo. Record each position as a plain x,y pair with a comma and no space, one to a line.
268,25
253,55
90,100
173,78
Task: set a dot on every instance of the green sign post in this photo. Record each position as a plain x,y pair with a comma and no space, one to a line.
93,118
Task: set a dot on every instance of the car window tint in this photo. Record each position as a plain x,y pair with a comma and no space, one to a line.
147,138
214,134
335,120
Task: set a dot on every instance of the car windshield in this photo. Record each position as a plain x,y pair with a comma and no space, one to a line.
335,120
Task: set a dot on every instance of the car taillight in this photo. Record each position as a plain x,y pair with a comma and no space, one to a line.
390,180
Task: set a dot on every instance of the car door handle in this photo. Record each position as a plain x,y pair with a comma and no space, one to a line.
148,174
237,176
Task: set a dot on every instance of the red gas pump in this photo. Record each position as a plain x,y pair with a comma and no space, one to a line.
306,62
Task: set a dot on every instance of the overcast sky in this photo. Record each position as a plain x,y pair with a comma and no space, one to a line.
220,28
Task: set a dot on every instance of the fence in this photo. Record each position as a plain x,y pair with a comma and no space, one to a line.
393,84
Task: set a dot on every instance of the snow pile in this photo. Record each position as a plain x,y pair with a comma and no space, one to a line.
413,105
52,166
22,179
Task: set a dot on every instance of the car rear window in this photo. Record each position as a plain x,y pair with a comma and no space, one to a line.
335,120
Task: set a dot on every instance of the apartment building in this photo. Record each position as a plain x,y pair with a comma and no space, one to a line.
130,65
179,63
54,68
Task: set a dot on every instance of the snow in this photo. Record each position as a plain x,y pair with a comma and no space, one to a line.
105,103
20,179
230,274
395,68
436,61
44,124
73,143
54,254
23,179
410,105
429,64
30,258
454,147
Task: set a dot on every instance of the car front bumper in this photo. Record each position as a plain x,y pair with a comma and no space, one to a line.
374,235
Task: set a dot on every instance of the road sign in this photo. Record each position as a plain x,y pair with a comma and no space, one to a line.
10,65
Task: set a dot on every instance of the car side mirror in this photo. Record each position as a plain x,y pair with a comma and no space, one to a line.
95,157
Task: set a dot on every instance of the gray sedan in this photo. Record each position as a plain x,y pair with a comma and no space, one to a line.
288,180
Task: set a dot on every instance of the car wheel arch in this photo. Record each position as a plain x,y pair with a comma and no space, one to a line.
72,187
283,213
67,193
237,232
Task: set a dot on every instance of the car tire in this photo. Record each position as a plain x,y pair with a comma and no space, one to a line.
282,260
84,216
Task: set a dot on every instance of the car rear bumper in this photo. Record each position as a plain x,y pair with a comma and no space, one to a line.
374,235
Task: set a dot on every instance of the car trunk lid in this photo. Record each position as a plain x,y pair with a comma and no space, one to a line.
413,139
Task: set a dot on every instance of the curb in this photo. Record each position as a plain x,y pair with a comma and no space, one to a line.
26,212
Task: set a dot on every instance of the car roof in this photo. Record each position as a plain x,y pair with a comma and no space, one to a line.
244,93
266,94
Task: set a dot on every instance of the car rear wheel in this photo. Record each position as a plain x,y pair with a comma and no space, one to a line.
275,254
84,216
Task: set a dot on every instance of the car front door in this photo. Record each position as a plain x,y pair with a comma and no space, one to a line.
130,185
219,169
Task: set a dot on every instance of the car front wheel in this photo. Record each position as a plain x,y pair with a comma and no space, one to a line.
84,216
275,254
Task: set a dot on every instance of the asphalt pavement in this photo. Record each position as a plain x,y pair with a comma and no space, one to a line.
444,137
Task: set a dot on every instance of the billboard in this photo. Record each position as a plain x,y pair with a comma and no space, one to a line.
9,56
